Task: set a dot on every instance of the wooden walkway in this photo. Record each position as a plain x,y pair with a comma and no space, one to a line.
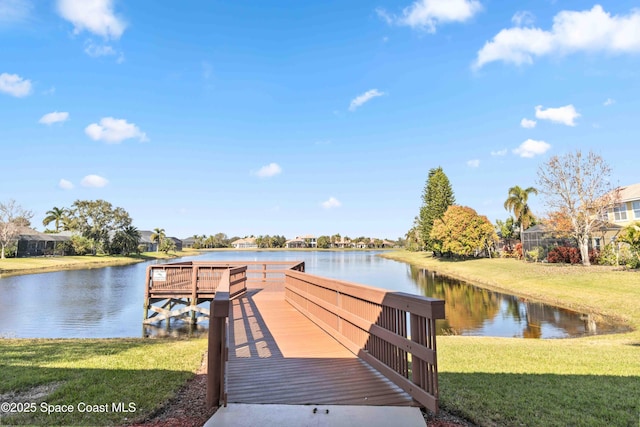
278,356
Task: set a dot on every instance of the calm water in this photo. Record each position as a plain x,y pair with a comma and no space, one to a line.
107,302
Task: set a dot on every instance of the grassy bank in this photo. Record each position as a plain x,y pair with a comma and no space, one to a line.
14,266
591,381
92,381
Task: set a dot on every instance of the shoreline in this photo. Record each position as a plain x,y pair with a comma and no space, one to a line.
37,265
447,268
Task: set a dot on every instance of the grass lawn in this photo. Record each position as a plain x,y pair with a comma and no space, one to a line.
82,374
590,381
12,266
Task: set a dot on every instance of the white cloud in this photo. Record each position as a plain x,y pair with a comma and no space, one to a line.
523,17
531,148
94,181
473,163
428,14
94,16
499,152
609,102
564,115
114,131
14,85
65,185
332,202
14,11
55,117
96,50
365,97
590,31
272,169
528,124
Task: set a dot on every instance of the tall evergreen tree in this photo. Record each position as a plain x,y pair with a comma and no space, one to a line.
436,199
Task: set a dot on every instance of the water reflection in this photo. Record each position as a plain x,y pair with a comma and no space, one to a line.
475,311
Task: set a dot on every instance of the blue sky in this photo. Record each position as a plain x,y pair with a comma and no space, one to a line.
307,117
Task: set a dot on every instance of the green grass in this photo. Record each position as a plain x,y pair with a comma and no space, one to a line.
590,381
96,372
13,266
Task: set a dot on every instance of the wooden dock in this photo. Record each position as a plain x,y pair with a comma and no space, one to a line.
277,355
280,336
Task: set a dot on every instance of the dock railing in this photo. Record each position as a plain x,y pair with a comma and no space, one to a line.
218,347
392,331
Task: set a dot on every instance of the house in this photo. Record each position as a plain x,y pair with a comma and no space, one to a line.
148,245
34,243
344,243
295,243
306,241
189,242
624,213
627,211
310,240
246,243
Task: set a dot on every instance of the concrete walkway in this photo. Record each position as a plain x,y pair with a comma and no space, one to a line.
254,415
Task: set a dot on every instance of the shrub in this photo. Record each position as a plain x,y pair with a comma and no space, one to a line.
608,255
564,254
536,254
517,250
612,255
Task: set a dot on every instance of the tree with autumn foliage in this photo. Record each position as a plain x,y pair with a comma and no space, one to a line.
462,232
579,186
559,223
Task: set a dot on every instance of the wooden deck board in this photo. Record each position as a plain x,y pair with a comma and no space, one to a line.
277,355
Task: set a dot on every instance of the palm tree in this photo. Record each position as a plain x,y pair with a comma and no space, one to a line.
126,240
57,216
158,235
517,203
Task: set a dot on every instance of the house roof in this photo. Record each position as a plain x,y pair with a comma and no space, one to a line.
630,193
27,233
245,240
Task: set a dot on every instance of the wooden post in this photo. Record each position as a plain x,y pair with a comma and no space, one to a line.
217,349
415,365
194,292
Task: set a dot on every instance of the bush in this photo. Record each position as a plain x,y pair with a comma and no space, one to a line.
571,255
564,254
10,250
611,255
536,254
608,255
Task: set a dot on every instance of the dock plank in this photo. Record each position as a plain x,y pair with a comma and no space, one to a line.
279,356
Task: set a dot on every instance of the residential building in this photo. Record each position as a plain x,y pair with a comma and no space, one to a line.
246,243
627,211
295,243
310,240
35,243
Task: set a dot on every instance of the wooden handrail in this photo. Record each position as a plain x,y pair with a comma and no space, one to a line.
218,351
392,331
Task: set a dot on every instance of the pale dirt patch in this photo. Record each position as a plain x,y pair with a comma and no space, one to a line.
32,395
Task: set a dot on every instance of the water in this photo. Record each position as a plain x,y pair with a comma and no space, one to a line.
107,302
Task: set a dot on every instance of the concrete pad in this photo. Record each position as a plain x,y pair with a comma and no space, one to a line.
246,415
